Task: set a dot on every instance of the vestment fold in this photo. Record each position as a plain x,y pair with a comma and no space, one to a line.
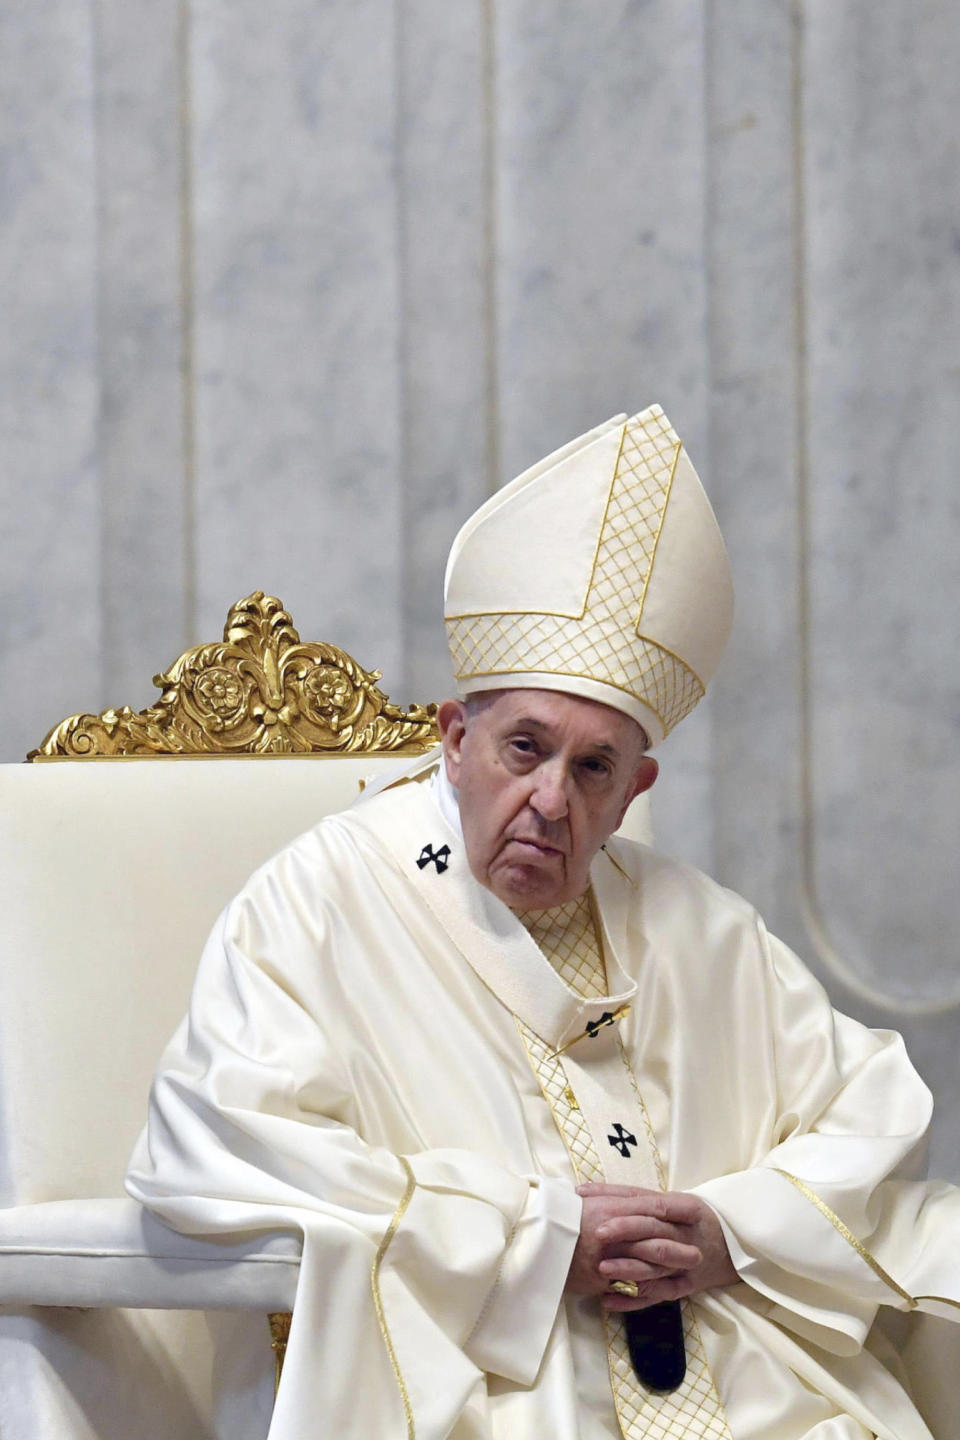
352,1067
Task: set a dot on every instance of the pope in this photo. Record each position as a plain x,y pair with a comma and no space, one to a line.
576,1148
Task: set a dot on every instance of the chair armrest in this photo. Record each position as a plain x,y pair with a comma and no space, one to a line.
113,1253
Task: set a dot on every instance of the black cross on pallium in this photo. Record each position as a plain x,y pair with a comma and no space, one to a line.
440,858
593,1026
622,1139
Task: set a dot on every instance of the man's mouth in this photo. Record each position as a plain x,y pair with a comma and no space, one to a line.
534,847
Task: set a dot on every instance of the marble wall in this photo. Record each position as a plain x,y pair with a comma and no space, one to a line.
287,290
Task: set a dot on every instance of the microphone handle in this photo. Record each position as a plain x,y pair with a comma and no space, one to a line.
655,1342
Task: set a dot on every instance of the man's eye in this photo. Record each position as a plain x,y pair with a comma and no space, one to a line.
522,745
596,767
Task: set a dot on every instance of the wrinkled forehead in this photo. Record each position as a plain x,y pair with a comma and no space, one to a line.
559,714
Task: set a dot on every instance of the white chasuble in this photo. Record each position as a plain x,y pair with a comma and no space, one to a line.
379,1056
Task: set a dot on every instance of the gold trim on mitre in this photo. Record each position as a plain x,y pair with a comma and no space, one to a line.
600,572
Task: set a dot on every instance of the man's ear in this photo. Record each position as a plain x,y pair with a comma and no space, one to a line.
644,776
452,720
647,772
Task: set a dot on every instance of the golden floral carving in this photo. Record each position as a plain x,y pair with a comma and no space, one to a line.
260,691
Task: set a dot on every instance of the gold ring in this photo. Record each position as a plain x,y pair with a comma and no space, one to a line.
630,1288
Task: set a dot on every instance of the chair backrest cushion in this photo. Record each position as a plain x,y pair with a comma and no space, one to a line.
112,874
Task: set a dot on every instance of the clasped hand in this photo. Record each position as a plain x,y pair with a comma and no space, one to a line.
670,1244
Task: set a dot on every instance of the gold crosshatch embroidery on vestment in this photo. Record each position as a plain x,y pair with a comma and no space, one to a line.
565,934
694,1411
605,643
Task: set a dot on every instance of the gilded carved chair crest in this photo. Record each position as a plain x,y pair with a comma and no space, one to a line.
259,691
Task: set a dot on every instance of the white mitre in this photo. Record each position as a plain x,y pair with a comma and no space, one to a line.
599,572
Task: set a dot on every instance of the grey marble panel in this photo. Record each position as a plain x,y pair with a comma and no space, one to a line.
600,191
140,120
680,803
753,422
600,244
297,409
884,281
446,277
49,401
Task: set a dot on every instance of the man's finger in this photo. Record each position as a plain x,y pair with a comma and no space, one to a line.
674,1206
623,1268
666,1254
609,1207
632,1229
652,1292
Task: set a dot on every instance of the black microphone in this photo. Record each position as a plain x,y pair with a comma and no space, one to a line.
655,1342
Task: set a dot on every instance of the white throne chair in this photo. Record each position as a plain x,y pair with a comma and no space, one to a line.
112,871
113,867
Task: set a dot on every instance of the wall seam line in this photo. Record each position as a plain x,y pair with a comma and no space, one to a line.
187,243
104,628
832,960
407,513
491,222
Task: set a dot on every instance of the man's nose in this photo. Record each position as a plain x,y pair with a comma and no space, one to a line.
549,797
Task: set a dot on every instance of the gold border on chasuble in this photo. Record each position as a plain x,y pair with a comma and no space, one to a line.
695,1409
913,1301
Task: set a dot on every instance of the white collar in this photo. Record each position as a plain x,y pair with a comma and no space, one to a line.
408,823
446,796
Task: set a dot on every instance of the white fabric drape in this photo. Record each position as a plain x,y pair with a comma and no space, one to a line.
352,1068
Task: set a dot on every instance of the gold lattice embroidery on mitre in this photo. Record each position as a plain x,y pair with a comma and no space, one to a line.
695,1409
604,643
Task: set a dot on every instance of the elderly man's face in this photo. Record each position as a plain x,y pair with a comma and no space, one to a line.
544,778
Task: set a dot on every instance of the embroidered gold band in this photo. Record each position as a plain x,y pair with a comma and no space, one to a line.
695,1410
849,1236
378,1301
